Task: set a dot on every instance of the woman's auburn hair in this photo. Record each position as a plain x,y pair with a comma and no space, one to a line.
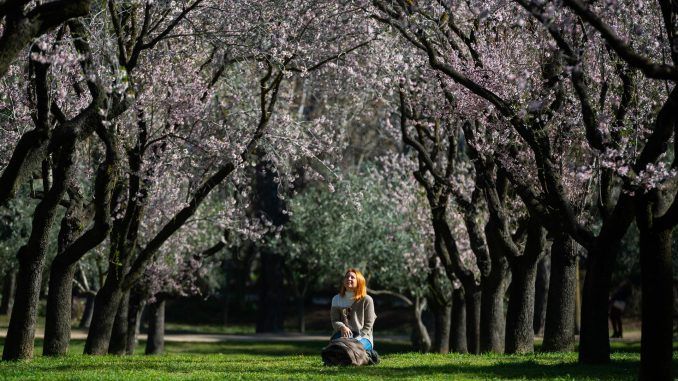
361,287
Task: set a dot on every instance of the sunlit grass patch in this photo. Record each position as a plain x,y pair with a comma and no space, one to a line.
301,360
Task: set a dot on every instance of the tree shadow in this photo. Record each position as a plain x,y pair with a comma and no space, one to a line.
510,369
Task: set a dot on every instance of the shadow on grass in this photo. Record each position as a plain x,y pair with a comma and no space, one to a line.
275,360
507,369
393,367
271,348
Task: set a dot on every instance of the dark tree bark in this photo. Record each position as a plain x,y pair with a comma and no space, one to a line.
492,314
118,342
442,314
86,318
8,292
21,332
594,342
58,318
473,320
155,344
59,299
458,343
520,312
136,307
420,337
656,345
301,310
440,305
72,246
577,302
559,327
271,315
541,292
105,309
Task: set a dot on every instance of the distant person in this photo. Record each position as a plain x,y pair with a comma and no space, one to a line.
352,311
618,302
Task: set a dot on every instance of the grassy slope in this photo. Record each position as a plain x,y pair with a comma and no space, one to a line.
261,361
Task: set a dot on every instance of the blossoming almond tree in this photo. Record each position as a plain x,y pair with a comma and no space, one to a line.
271,64
649,176
486,63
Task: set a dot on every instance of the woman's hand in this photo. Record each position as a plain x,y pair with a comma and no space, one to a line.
345,331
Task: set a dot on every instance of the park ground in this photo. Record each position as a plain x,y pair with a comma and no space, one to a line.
300,360
217,352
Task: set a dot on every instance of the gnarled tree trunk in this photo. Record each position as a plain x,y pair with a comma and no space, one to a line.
422,340
442,314
8,292
21,332
58,314
594,342
656,345
492,314
106,308
473,320
458,342
155,344
520,312
559,328
136,307
86,318
118,343
541,292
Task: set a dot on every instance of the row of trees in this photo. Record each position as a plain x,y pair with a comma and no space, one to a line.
553,100
528,126
126,117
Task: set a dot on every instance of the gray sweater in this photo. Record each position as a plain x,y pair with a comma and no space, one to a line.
360,319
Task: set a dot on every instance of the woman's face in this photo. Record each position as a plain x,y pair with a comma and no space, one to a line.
350,281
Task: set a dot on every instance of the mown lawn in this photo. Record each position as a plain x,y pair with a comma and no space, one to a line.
266,361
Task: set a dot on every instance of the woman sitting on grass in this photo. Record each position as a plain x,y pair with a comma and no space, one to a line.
352,310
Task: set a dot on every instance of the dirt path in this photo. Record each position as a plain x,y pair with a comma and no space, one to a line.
79,334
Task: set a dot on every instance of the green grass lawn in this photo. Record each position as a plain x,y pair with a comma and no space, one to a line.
266,361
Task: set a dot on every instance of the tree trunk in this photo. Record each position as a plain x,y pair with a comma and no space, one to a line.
473,320
136,306
301,309
21,331
594,342
155,344
520,312
271,297
118,342
421,339
86,319
44,285
577,301
105,308
492,316
541,292
458,323
559,329
443,322
8,292
656,346
58,314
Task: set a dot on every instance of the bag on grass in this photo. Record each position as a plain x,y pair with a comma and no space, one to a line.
345,351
